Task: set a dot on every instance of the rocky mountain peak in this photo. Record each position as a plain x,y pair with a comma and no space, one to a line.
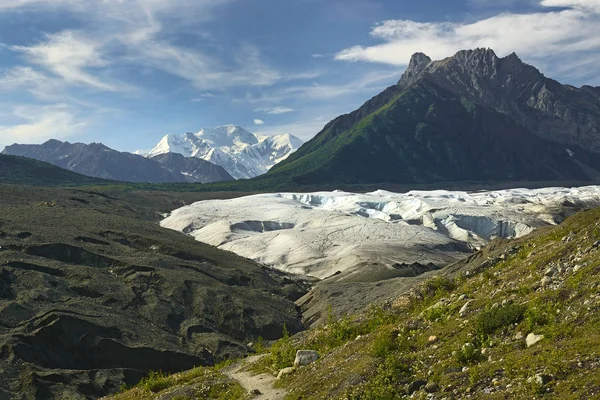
418,63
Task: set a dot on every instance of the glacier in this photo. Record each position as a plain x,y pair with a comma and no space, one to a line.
243,154
326,233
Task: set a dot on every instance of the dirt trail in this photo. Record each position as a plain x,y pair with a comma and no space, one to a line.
263,382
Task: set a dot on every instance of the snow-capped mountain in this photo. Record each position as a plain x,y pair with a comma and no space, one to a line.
243,154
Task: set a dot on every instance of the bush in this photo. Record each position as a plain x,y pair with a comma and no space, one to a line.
386,383
385,343
490,321
538,316
437,286
468,354
156,382
283,351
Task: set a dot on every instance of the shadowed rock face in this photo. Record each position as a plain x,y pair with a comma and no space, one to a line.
93,295
556,112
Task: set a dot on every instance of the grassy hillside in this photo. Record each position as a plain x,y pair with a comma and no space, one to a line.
464,333
27,171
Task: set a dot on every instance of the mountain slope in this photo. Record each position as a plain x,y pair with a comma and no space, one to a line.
195,169
27,171
97,160
425,131
243,154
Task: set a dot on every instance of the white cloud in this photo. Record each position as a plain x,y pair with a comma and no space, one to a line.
369,82
539,35
40,123
259,122
140,33
38,84
68,54
274,110
303,128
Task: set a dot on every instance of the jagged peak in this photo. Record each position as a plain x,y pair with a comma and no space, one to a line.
417,64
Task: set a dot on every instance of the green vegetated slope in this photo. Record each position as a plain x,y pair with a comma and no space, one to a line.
27,171
426,134
464,333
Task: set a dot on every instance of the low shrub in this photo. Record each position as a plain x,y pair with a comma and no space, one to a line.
490,321
283,352
157,381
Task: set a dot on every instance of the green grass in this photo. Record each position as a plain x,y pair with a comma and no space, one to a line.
198,383
478,351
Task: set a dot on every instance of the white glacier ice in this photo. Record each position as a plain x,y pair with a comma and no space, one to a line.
321,233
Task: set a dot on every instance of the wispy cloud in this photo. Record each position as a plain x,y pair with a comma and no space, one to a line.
68,55
39,123
303,128
538,35
374,80
259,122
138,33
274,110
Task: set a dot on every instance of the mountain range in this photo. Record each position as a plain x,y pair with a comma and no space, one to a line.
243,154
97,160
27,171
470,117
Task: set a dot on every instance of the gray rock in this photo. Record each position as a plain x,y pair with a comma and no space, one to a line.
416,385
551,271
285,372
255,392
532,339
305,357
432,387
546,281
465,308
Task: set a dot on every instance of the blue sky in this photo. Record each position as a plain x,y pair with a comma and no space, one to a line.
127,72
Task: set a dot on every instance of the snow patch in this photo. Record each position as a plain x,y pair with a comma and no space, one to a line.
243,154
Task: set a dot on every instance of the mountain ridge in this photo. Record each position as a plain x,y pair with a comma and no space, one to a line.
28,171
99,161
242,153
421,131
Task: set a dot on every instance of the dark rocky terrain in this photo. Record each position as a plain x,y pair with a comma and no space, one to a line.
471,117
99,161
94,294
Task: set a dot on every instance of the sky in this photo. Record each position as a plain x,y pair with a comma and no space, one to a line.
127,72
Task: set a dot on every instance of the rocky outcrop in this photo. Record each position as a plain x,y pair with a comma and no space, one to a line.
560,113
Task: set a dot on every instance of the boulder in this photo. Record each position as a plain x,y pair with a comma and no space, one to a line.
416,385
305,357
532,339
285,372
465,308
546,281
432,387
